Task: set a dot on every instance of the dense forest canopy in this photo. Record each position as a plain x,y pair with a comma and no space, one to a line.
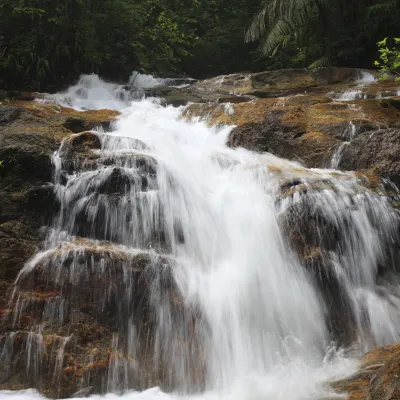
45,43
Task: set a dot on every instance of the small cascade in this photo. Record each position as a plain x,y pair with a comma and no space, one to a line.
358,92
92,93
178,263
349,135
339,225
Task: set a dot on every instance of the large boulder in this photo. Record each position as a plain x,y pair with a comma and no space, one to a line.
279,82
378,150
241,87
287,139
101,308
30,132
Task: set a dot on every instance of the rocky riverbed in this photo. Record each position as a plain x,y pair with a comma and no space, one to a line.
340,119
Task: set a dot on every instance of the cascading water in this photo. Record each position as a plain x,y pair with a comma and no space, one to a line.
349,134
92,93
217,272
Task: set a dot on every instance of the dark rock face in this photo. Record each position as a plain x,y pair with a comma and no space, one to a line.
29,134
271,135
379,150
96,302
242,87
284,139
8,114
25,200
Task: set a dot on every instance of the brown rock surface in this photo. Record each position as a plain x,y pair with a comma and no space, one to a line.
378,377
310,127
378,150
29,134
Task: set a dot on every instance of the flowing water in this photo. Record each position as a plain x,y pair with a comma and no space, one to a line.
349,135
238,275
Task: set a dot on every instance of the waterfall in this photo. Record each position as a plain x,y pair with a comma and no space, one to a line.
217,272
349,135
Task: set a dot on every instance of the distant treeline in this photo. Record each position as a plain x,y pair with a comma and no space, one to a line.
45,43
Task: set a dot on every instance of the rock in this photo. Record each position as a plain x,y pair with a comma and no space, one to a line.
92,302
27,155
378,150
18,243
279,82
75,125
241,87
271,135
42,200
85,290
378,377
24,96
284,139
29,134
87,140
176,96
8,114
331,75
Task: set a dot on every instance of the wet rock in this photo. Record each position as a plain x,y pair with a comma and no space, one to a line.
26,155
116,183
41,200
85,140
84,291
279,82
271,135
24,96
241,87
8,114
17,235
378,150
176,96
331,75
75,125
192,94
284,139
77,151
377,378
80,306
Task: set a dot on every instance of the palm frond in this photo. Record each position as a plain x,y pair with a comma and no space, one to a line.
257,27
278,35
320,63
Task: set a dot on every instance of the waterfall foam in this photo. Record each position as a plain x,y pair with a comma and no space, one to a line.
191,250
93,93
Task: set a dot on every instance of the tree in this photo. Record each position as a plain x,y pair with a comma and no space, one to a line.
326,31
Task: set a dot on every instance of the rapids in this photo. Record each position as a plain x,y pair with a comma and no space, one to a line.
172,191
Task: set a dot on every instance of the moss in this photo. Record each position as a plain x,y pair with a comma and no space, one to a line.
369,178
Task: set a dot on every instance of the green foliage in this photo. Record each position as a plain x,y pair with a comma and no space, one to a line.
332,32
389,58
46,43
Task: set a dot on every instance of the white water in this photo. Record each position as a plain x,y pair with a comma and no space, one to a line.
349,135
265,335
357,93
92,93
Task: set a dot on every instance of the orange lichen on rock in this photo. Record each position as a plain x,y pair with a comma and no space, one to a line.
378,377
